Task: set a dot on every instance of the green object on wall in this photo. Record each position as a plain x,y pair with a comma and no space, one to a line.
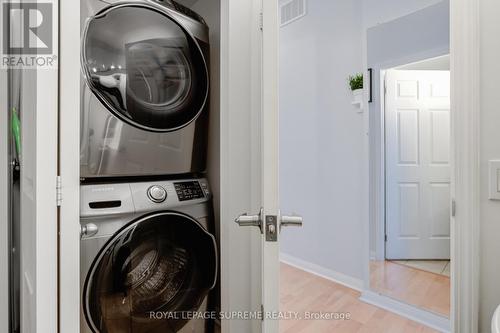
16,130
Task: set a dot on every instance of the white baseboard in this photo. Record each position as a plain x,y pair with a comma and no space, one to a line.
437,322
323,272
373,255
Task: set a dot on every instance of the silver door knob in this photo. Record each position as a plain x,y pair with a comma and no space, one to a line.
88,230
245,220
291,221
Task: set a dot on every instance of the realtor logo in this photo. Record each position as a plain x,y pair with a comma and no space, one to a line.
28,33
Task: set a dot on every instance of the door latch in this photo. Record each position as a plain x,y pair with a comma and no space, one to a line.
271,228
272,224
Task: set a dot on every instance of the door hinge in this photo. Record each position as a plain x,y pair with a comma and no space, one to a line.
261,21
453,207
385,238
262,312
58,191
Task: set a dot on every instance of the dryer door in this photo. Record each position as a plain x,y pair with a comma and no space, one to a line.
144,66
162,263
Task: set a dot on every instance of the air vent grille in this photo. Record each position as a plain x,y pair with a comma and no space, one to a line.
291,11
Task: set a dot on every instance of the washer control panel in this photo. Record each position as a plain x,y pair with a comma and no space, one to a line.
189,190
157,194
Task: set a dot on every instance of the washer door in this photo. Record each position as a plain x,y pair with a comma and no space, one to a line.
162,263
145,67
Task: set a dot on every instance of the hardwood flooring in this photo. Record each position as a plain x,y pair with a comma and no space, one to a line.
424,289
302,292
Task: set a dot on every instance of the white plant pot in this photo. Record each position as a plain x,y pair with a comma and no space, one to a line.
357,98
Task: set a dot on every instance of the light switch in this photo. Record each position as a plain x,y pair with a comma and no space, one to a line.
494,172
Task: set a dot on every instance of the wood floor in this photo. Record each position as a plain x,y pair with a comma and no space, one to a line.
427,290
302,292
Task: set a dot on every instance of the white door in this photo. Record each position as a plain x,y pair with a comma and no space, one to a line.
417,127
249,165
4,206
38,201
37,107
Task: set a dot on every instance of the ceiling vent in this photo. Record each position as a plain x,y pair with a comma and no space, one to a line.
291,11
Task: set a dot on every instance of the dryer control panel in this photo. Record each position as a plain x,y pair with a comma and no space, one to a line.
128,198
189,190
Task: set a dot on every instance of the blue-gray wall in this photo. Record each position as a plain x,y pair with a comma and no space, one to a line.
321,136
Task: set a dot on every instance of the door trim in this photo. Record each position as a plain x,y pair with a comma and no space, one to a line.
465,103
69,166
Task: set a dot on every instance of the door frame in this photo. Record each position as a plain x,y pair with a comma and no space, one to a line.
465,103
378,179
69,166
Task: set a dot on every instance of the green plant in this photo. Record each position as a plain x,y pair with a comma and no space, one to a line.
356,81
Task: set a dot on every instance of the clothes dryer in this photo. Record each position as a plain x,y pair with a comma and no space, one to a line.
145,89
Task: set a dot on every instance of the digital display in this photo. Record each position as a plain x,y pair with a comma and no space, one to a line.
189,190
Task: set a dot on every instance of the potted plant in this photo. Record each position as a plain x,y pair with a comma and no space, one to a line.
356,84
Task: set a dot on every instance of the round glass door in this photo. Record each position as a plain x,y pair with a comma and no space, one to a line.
162,263
145,67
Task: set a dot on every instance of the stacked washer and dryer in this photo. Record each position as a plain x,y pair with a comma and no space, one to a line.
148,252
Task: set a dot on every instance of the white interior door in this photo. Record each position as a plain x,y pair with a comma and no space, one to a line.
417,115
249,164
38,110
240,161
38,163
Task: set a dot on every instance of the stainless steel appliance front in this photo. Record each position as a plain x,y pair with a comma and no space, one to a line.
146,265
145,84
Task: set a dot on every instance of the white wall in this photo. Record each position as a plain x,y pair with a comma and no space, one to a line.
381,11
321,136
489,296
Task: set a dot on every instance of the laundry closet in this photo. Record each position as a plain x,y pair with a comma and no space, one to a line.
149,171
140,149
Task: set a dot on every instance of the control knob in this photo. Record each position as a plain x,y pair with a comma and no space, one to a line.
157,194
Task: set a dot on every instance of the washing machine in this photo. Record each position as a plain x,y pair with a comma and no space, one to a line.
148,257
145,89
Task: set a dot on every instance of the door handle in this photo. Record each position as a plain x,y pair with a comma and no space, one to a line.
245,220
291,221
